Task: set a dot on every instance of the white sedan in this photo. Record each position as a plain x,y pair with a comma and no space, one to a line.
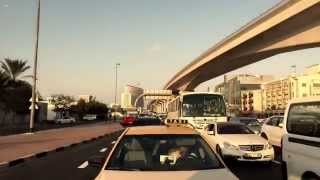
238,141
65,120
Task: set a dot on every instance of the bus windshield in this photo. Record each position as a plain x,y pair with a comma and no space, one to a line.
203,105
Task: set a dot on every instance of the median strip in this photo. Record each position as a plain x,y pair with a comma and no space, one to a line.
58,149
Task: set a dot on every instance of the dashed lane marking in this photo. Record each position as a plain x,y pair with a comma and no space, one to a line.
103,150
83,165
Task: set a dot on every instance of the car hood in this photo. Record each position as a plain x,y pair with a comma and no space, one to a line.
176,175
243,139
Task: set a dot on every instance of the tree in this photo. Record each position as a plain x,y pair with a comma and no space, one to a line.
3,79
93,107
14,68
80,109
62,102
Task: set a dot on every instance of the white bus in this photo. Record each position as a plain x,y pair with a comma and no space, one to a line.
197,109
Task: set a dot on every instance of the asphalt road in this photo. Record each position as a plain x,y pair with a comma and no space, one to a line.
64,165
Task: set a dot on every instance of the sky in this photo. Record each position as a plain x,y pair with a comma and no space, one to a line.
82,40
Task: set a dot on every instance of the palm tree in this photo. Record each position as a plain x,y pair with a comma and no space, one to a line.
3,80
14,68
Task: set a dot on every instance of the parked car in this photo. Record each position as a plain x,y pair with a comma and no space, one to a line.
301,139
272,130
65,120
237,141
252,123
90,117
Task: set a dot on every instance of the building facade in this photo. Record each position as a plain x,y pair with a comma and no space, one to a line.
276,94
251,101
129,96
249,93
232,87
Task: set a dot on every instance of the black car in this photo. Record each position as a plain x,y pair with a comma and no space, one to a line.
144,119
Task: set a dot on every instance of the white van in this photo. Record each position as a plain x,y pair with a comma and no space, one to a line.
301,139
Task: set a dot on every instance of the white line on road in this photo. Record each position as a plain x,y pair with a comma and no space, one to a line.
277,162
103,150
84,165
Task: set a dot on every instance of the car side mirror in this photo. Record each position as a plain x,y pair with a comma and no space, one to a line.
96,161
280,125
211,133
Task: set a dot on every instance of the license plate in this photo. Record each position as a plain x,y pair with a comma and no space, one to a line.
253,155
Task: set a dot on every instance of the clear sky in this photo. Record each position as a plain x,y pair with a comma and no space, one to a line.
82,40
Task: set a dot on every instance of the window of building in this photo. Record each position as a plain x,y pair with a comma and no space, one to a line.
304,84
304,95
316,85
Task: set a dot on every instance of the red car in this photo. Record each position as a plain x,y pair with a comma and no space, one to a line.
128,120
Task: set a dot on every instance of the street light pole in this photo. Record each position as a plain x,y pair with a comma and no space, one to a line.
34,87
116,86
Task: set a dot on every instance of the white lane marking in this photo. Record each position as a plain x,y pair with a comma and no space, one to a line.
83,165
277,162
103,150
113,142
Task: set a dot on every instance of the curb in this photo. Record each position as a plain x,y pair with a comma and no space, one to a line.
22,159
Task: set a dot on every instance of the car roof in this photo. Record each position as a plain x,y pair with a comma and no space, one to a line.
158,130
306,99
229,123
239,118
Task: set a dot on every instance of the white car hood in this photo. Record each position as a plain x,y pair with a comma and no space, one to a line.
243,139
167,175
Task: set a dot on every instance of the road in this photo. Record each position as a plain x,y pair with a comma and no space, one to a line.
66,165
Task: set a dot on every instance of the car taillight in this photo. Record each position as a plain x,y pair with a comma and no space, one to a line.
128,119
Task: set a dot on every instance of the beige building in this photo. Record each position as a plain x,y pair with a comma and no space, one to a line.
276,94
251,100
126,100
232,86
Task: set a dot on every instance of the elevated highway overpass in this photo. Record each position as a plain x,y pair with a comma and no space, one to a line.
289,26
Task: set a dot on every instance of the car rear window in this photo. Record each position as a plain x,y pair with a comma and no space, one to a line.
304,119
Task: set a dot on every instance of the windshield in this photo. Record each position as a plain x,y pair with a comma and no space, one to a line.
163,153
203,105
233,129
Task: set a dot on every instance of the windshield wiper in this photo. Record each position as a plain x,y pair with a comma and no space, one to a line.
123,169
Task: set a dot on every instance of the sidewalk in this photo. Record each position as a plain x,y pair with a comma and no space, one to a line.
22,145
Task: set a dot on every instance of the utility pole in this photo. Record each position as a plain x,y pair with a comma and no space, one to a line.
34,87
116,86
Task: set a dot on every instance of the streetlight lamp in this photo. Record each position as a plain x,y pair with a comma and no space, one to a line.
35,66
116,86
